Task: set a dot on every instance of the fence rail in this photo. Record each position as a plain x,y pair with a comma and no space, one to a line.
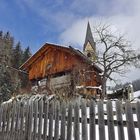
81,120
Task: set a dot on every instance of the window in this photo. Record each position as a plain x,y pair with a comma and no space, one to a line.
88,54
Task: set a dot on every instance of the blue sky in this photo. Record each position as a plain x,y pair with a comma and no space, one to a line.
34,22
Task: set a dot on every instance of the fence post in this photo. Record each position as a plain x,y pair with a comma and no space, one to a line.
40,119
84,121
92,120
101,121
63,114
76,122
1,113
51,114
35,119
30,119
26,120
110,121
46,107
17,121
13,120
130,123
69,126
138,114
56,131
119,120
22,113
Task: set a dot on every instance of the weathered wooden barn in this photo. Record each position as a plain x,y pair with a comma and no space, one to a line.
58,68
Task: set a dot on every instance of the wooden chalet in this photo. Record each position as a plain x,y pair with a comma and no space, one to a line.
59,68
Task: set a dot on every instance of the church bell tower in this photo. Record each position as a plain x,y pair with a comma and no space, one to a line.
89,48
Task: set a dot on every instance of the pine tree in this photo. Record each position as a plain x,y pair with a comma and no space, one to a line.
26,54
1,34
11,80
24,77
6,86
17,56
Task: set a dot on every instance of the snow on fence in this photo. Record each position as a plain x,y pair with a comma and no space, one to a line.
42,119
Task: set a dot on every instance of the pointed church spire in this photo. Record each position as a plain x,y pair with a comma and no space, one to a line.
89,37
89,45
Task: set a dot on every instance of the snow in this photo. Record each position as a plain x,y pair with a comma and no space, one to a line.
101,74
94,87
79,87
89,87
136,94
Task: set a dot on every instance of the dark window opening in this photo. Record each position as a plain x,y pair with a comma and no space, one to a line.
34,82
89,55
61,74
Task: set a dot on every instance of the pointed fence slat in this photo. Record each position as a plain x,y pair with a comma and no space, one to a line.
101,121
119,120
130,123
63,114
40,119
35,120
7,117
138,114
26,120
17,120
30,120
21,129
46,104
8,121
5,121
76,122
56,131
13,121
51,115
1,114
92,120
84,121
69,128
110,121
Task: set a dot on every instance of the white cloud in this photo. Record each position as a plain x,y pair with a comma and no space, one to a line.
127,25
75,35
124,15
125,21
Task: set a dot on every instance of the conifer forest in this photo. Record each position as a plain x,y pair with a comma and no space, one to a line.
12,55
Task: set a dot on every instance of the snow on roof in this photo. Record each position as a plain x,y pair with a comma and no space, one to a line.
89,87
136,94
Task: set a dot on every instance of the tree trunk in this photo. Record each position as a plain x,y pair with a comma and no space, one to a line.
103,88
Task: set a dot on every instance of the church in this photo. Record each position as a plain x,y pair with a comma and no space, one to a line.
64,69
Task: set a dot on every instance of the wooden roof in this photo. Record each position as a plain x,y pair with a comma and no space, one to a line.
25,66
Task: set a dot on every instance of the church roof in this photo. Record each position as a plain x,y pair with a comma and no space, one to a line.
89,37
